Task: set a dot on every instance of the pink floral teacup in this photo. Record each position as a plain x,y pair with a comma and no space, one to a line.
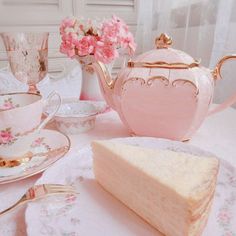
20,122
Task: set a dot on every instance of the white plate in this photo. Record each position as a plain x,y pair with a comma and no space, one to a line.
96,213
48,141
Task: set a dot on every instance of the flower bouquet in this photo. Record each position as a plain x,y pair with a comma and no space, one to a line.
89,41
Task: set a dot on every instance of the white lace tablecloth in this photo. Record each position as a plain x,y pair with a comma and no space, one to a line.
217,135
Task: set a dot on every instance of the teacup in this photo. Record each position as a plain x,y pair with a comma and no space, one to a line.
20,122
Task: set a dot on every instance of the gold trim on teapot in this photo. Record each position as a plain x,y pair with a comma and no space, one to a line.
163,42
164,65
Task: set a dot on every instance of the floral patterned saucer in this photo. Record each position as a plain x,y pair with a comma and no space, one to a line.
48,147
96,212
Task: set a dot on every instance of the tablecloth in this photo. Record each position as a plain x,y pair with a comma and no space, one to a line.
217,135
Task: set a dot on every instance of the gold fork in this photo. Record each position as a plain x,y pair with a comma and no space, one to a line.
40,191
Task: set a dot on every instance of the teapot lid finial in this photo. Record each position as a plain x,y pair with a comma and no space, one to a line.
163,41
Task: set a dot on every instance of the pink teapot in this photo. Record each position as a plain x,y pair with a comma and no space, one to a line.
163,92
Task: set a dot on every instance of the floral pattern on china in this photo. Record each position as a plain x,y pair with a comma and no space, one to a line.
8,104
40,143
49,217
6,137
46,148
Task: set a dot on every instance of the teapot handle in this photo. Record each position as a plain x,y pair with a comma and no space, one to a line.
217,73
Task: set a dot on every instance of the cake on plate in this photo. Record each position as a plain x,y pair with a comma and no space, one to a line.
172,191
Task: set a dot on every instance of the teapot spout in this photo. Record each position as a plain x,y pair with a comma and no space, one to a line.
105,81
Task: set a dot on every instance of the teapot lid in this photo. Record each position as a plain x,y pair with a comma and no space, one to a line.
164,57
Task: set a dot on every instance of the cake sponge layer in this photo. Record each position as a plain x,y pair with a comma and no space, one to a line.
168,189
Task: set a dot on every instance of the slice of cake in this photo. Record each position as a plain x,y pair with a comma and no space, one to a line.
172,191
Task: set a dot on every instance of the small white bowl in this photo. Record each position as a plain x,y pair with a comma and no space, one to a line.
75,117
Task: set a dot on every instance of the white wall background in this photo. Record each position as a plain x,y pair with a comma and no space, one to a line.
46,15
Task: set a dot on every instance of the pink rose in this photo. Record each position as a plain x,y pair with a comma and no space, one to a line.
66,24
224,216
84,38
8,105
86,45
113,30
69,34
105,52
37,143
110,32
5,136
68,44
67,49
128,42
117,32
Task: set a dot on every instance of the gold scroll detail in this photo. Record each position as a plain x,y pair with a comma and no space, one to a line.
164,80
87,67
161,78
186,82
163,65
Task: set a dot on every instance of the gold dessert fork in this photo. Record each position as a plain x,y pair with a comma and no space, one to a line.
41,191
